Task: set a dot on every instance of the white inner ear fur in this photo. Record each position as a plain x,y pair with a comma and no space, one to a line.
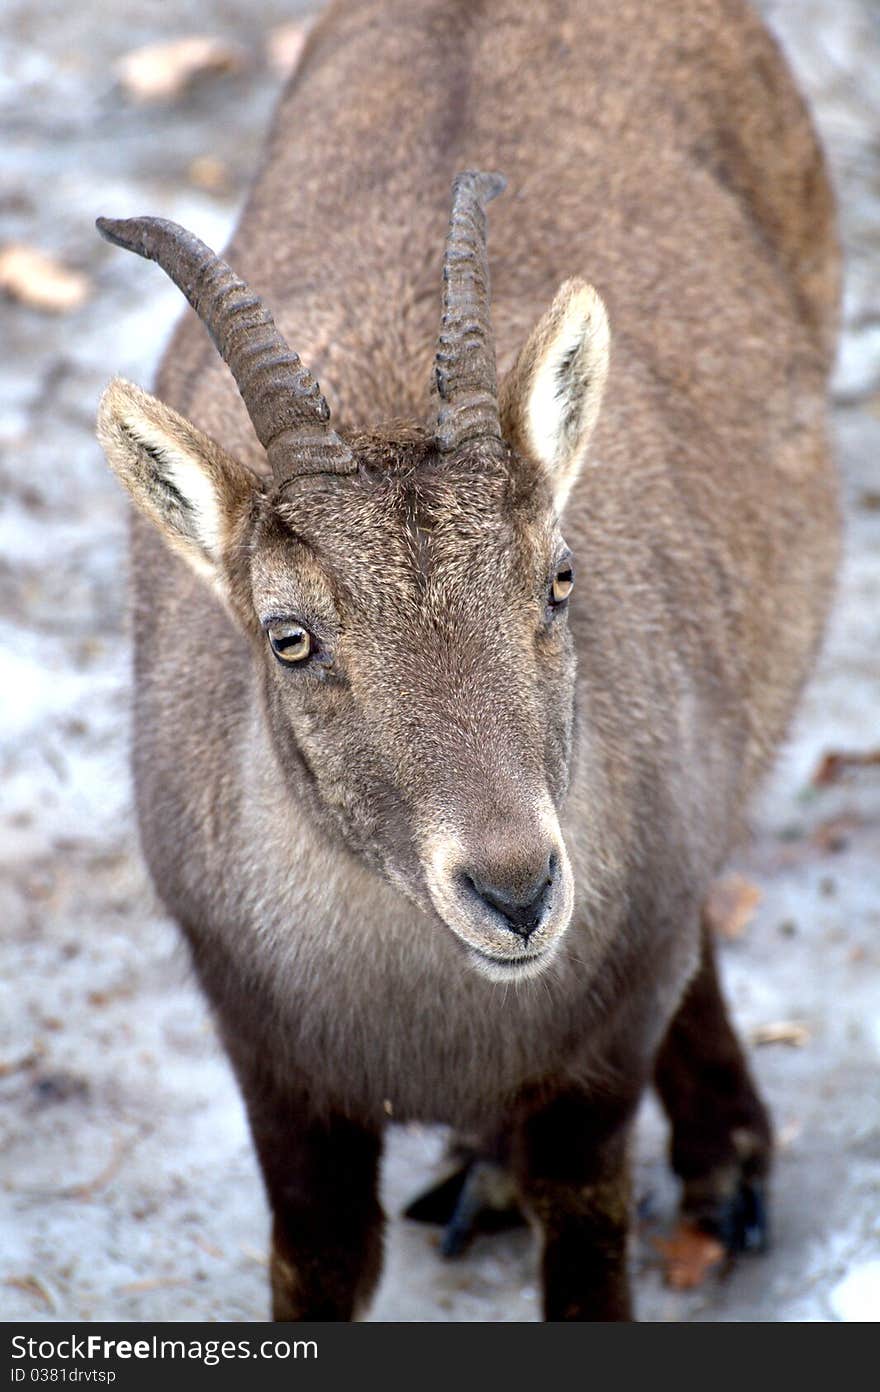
187,476
185,483
570,365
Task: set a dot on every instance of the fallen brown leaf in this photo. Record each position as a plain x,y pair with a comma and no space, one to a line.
833,836
163,71
24,1061
41,281
730,906
121,991
284,45
209,173
793,1032
689,1255
836,762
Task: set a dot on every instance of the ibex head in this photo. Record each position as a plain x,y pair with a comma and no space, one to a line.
405,591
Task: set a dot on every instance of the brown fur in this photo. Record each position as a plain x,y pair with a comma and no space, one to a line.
663,152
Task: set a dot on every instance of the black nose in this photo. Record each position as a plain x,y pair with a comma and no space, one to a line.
519,899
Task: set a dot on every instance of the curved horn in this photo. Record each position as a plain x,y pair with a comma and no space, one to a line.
464,369
283,400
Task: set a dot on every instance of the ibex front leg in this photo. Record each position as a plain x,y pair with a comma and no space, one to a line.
570,1160
321,1178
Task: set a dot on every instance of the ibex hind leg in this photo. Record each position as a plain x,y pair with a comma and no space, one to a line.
477,1194
321,1177
721,1142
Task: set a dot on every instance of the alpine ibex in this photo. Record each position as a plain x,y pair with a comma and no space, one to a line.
447,712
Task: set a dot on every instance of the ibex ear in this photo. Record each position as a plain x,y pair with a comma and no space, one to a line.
197,495
550,399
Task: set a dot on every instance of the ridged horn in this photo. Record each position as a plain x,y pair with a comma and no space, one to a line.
283,400
464,369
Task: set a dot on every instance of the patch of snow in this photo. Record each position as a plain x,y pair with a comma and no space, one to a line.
857,1297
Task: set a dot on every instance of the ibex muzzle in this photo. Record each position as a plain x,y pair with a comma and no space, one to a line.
461,675
506,889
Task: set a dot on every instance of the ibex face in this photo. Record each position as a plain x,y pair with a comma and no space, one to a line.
433,708
405,592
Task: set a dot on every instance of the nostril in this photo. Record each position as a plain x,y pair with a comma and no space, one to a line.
520,904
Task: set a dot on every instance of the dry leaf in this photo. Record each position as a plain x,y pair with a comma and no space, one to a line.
24,1061
284,46
730,906
833,836
40,281
836,762
163,71
793,1032
689,1256
209,174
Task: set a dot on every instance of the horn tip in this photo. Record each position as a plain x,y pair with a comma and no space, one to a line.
107,227
122,232
486,184
138,233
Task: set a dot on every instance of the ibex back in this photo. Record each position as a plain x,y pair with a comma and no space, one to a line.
451,688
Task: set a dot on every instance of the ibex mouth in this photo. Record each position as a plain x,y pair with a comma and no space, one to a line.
513,968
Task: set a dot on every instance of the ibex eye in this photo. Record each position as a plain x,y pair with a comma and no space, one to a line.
290,642
563,584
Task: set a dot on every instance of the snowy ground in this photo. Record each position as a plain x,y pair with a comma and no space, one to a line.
127,1185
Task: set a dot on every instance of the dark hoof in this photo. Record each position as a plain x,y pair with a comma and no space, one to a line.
747,1224
478,1198
437,1205
741,1222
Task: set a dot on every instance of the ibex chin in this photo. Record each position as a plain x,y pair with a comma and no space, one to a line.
449,694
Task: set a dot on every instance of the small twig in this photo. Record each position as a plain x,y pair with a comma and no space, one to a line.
88,1188
150,1284
793,1032
209,1247
32,1285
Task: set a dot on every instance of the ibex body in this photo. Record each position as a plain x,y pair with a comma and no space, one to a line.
437,833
